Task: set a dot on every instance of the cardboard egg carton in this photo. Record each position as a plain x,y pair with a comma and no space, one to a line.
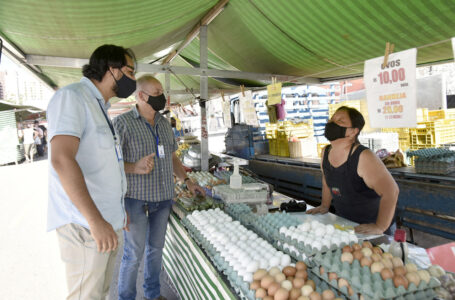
367,284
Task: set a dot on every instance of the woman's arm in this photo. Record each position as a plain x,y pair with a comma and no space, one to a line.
378,178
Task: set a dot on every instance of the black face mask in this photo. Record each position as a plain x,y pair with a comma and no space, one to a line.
125,86
333,131
157,103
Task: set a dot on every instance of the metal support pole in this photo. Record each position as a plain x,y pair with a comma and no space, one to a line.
204,97
167,88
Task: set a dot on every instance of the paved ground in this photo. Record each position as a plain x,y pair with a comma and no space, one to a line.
29,258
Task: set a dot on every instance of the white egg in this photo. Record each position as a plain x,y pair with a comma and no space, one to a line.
252,266
263,264
320,231
285,260
326,242
305,227
317,245
315,224
283,230
248,277
274,261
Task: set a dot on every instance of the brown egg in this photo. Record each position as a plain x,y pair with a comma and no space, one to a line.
410,267
376,267
342,282
273,288
311,283
315,296
387,255
281,294
366,261
266,281
397,262
300,265
289,271
306,290
298,282
328,295
301,274
424,275
357,254
367,244
376,257
259,274
321,270
290,278
294,294
347,257
413,277
280,277
303,298
387,263
356,247
260,293
386,273
367,252
267,298
332,276
400,280
255,285
399,270
347,248
377,250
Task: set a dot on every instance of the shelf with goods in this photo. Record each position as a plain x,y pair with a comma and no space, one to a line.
280,135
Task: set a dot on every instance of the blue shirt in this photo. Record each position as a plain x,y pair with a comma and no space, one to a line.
138,139
76,110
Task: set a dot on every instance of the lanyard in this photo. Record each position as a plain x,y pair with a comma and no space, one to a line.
108,121
157,138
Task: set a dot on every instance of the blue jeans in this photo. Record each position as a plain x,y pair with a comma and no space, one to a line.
145,233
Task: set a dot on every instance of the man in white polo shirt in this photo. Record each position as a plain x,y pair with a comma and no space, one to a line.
87,181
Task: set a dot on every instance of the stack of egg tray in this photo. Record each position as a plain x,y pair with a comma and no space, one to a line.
369,285
437,161
249,193
241,212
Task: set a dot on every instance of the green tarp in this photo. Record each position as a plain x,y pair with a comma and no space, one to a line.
317,38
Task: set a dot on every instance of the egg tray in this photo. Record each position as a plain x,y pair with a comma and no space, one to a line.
293,254
308,250
369,284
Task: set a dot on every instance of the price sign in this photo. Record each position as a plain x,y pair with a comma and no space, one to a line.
227,113
249,111
391,90
274,93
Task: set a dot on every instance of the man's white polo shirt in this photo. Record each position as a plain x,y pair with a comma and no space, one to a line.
76,110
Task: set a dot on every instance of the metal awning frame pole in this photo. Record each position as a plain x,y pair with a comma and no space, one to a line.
204,95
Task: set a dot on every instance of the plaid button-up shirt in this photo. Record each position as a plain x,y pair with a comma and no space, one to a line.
138,140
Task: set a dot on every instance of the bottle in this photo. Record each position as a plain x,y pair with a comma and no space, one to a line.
399,247
235,182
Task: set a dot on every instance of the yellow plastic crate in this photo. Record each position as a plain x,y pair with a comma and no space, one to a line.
282,147
434,115
320,147
433,133
422,115
271,130
288,129
404,137
273,149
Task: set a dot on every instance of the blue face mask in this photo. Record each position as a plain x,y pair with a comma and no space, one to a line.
125,86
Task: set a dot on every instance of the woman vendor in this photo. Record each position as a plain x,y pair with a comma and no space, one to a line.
361,187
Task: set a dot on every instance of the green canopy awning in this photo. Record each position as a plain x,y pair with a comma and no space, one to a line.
326,39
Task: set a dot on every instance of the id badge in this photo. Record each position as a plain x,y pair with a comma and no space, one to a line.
161,151
118,151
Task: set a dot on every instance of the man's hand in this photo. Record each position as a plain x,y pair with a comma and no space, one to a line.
368,229
145,165
104,235
194,188
318,210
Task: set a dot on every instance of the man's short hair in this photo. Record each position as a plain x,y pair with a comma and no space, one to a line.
141,81
104,57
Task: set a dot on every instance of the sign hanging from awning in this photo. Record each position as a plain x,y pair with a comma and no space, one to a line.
391,90
247,108
274,93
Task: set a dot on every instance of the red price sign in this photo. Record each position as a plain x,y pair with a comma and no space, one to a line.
391,90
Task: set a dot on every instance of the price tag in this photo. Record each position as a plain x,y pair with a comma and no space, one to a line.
227,113
247,108
391,91
274,93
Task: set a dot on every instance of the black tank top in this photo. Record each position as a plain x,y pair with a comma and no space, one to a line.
352,198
